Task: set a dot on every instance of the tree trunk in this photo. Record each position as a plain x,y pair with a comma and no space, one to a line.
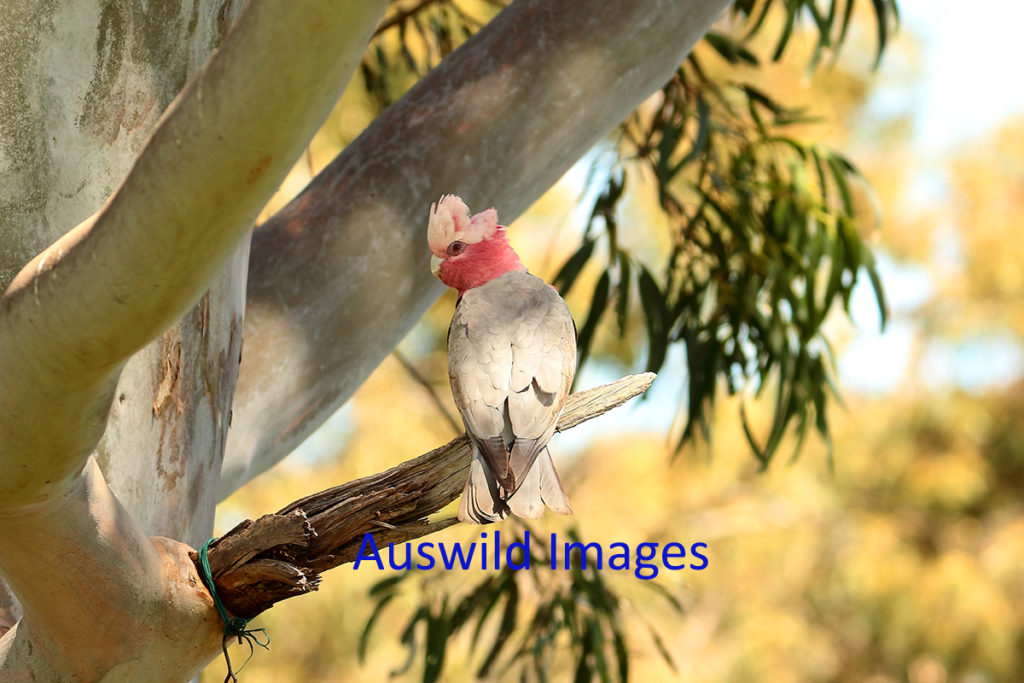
133,605
82,84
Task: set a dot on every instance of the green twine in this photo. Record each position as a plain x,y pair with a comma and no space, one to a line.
234,627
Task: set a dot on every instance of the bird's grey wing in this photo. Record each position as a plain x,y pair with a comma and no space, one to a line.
511,359
478,367
543,365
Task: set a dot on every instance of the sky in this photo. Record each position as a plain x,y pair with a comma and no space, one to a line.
971,59
964,90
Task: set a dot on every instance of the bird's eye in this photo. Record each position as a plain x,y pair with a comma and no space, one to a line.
456,248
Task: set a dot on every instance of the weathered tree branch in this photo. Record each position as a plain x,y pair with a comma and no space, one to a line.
281,555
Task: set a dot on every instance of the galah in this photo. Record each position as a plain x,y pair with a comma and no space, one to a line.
511,360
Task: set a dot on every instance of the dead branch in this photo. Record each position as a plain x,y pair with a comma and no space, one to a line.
259,563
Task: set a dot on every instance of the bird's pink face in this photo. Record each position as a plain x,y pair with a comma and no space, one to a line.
467,251
464,266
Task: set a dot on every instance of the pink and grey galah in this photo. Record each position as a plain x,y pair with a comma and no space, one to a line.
511,360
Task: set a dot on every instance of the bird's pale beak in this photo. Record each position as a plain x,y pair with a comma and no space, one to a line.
435,264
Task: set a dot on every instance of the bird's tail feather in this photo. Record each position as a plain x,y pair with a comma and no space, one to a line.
481,503
550,485
526,502
540,487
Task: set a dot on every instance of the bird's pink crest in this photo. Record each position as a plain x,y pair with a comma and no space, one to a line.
450,221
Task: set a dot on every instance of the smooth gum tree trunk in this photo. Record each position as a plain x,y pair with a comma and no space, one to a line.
144,215
82,83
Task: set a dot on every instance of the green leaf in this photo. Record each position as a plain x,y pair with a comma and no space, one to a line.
598,304
703,353
387,585
475,599
659,644
824,24
563,282
749,434
756,24
792,8
732,51
819,168
665,594
492,601
879,290
364,637
605,203
671,133
653,303
584,672
408,639
700,142
814,316
761,98
436,645
881,22
621,653
821,424
837,266
508,624
622,293
595,635
847,16
839,172
783,409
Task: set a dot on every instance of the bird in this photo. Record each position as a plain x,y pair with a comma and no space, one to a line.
511,362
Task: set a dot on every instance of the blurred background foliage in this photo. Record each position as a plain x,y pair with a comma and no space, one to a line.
903,560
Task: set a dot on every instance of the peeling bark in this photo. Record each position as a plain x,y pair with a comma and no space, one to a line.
168,423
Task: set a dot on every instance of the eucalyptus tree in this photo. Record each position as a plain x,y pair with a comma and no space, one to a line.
156,353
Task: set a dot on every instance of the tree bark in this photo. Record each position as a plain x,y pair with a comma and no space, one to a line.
82,83
102,601
74,315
